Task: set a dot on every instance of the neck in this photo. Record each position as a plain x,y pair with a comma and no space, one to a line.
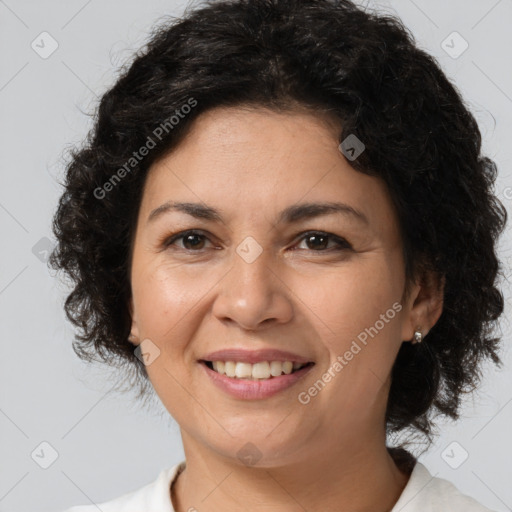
362,476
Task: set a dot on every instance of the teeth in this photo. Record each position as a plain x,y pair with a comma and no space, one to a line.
229,368
243,370
261,370
287,367
276,367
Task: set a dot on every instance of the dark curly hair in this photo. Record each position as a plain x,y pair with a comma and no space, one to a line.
329,57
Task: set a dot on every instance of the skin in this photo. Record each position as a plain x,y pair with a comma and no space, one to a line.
192,298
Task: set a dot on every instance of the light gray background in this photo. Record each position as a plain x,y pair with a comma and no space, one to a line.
106,446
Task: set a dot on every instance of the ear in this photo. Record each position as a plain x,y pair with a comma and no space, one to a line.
424,305
134,337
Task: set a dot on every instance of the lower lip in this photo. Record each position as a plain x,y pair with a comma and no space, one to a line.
254,389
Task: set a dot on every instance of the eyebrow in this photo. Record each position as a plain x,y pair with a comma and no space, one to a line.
294,213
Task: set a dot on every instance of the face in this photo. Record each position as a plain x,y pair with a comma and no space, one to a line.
324,284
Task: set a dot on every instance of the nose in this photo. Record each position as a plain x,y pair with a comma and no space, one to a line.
252,295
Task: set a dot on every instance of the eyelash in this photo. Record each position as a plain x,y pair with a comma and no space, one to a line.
343,245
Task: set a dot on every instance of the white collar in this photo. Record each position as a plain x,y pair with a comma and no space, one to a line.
422,493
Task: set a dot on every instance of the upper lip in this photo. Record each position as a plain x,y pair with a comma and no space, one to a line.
254,356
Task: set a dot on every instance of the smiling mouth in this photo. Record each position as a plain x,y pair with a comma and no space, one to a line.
264,370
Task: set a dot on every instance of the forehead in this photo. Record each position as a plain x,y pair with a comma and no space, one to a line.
245,162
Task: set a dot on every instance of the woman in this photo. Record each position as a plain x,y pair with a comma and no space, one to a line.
282,223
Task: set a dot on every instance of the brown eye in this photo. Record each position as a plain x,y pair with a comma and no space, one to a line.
191,240
318,241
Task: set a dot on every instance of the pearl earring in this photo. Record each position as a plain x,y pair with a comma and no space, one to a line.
417,338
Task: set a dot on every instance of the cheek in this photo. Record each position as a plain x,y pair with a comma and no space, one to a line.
358,323
351,300
163,297
165,302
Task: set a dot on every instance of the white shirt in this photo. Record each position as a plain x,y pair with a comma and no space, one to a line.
423,493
